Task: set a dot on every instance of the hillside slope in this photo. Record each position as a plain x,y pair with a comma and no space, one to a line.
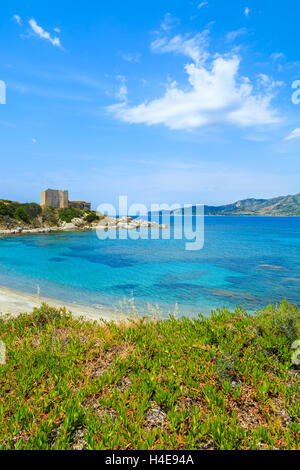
279,206
17,215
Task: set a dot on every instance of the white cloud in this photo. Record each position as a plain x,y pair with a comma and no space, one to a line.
267,82
277,56
216,94
193,47
122,92
57,30
295,134
233,35
34,140
247,11
133,58
264,79
18,19
169,22
201,5
55,41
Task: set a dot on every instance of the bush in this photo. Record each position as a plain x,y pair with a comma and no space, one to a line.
286,321
21,214
50,216
66,215
8,209
91,217
26,212
225,368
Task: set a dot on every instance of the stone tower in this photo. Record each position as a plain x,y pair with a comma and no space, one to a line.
56,198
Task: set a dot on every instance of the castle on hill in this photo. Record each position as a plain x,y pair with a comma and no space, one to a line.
59,199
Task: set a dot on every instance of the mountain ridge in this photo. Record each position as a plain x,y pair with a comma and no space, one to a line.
284,206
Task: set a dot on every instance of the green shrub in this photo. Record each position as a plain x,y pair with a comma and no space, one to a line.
8,209
50,216
286,321
225,368
91,217
66,215
21,214
149,385
27,212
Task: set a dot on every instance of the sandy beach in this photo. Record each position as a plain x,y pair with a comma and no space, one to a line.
14,302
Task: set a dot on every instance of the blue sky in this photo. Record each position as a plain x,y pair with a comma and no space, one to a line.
163,101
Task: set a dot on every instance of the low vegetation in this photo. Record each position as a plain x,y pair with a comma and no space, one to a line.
93,217
20,212
14,214
225,382
66,215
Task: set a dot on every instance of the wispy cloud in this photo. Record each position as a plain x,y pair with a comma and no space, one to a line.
18,19
190,46
233,35
295,134
131,57
217,93
55,41
122,92
169,22
247,11
267,82
202,4
277,56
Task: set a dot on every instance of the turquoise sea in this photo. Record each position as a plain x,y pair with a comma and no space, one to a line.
245,261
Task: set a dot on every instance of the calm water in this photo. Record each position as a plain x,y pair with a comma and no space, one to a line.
246,261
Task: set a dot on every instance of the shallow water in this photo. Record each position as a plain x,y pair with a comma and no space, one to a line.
247,261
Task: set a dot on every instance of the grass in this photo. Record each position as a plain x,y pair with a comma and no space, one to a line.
226,382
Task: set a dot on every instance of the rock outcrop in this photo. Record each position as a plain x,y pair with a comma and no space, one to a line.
78,224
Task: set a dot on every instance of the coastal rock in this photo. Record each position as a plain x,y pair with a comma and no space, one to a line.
12,231
123,226
125,223
146,223
68,226
77,221
125,220
6,232
32,230
102,223
107,222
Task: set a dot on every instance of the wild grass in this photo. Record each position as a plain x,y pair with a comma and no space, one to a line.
224,382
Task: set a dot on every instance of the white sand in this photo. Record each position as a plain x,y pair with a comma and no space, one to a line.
15,302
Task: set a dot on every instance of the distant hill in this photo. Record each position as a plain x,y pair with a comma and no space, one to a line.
279,206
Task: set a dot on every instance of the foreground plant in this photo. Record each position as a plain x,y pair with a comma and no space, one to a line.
224,382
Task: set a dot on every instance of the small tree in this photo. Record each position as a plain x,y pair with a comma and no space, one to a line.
66,215
92,217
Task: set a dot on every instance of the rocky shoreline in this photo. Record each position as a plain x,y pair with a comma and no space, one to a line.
77,224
